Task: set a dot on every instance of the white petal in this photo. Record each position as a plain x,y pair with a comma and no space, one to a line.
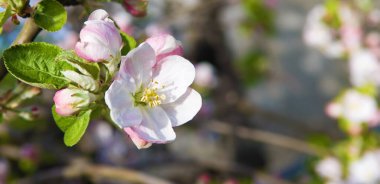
185,108
155,126
98,14
173,75
92,51
138,64
84,81
120,102
165,45
104,33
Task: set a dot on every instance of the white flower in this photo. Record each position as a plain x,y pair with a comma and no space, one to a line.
151,93
330,169
355,107
205,75
316,32
366,170
364,68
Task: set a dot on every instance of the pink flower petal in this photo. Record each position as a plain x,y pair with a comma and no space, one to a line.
140,143
155,126
165,45
173,75
92,52
184,108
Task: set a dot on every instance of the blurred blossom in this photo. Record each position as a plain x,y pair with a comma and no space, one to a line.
156,29
103,132
351,37
330,169
124,21
204,179
271,3
348,16
137,8
364,68
29,152
333,42
374,17
334,50
205,75
366,170
231,181
316,32
4,170
207,109
372,40
333,109
354,106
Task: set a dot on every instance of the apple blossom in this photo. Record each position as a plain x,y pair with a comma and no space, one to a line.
205,75
69,101
330,169
99,39
354,106
151,93
136,8
366,169
316,32
364,68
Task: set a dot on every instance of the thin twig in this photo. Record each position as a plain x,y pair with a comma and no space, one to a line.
80,168
265,137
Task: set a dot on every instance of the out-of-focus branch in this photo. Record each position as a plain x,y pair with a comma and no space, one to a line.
265,137
80,168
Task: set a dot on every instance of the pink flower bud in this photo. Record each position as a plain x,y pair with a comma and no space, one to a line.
99,39
69,101
136,8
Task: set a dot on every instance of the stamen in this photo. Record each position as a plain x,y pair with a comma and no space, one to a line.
150,97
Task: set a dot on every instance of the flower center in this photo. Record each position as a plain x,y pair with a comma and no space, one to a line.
148,96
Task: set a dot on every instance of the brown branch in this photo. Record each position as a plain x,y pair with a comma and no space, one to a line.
80,168
265,137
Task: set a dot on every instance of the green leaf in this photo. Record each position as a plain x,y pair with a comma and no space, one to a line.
8,83
129,43
35,64
83,66
1,118
73,126
4,17
50,15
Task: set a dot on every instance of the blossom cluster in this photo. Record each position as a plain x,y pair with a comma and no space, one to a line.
347,30
149,93
365,169
349,33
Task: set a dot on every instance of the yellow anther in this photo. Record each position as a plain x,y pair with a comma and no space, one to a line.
150,97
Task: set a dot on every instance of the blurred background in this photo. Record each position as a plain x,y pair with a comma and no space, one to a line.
264,95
